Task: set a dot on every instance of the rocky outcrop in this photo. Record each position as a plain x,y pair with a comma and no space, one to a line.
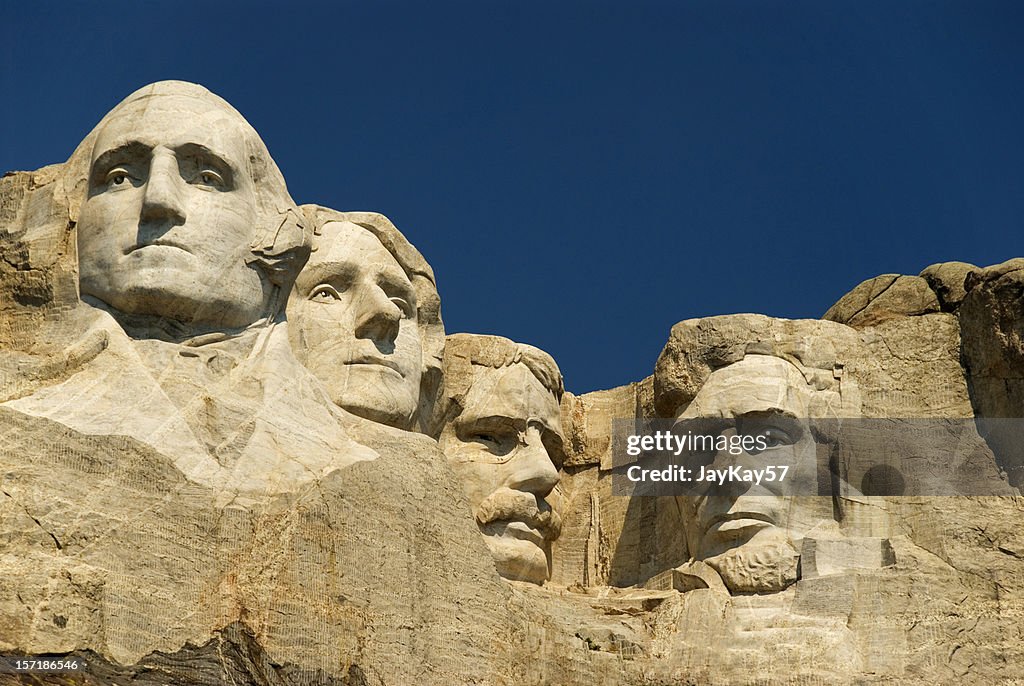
992,328
883,298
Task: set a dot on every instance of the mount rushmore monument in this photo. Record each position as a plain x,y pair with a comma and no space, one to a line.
240,448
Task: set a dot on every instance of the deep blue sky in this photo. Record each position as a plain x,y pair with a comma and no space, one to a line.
582,175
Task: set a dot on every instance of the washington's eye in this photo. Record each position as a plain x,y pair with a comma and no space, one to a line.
208,177
324,293
117,177
494,441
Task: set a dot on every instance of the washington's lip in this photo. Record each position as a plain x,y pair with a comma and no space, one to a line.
375,361
164,242
738,516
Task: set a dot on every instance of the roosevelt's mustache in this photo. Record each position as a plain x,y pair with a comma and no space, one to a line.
507,504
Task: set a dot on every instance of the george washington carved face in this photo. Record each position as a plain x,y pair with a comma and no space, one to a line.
178,186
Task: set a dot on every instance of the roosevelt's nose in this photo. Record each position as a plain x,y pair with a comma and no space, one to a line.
377,317
162,200
532,470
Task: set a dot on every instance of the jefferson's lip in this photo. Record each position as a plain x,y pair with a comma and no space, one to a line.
376,361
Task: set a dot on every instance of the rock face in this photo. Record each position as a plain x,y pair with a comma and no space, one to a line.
992,326
238,448
885,297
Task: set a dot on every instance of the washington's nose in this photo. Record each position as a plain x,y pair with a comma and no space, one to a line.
532,469
377,317
162,200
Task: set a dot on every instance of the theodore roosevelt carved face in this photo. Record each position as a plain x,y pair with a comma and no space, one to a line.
503,437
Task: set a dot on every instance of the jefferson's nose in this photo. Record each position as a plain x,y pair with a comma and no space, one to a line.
377,317
532,468
162,199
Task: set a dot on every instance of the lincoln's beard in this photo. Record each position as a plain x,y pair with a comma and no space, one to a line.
761,567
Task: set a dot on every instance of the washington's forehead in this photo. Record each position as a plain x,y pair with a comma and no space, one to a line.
173,120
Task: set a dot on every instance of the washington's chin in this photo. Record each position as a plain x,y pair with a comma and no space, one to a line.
181,295
518,559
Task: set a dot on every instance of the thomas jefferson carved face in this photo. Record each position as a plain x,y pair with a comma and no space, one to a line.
501,447
170,215
741,525
353,323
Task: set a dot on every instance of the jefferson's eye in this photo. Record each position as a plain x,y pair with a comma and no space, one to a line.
208,177
324,293
404,306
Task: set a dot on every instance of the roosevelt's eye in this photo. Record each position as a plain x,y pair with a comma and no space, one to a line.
494,441
117,177
493,437
324,293
208,177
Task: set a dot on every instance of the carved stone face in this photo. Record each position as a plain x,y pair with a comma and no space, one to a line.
499,447
758,396
170,215
352,322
